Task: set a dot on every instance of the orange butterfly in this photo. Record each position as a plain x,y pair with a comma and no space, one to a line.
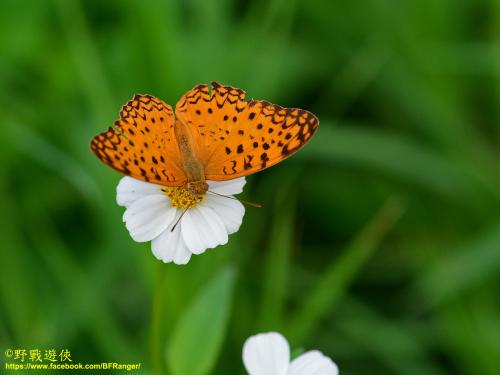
213,135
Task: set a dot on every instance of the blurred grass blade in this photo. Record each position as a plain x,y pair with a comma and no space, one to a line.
392,343
159,22
467,321
358,72
86,58
462,269
340,273
407,160
196,341
274,284
157,315
81,294
17,294
45,153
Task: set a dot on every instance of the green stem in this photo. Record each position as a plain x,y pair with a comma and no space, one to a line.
156,322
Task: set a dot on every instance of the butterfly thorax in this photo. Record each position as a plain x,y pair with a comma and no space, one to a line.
191,164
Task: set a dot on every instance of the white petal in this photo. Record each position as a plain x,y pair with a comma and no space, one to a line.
229,187
182,255
229,210
169,246
129,190
202,228
313,363
149,216
266,354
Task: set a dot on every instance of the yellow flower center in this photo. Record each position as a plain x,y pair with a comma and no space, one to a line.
181,197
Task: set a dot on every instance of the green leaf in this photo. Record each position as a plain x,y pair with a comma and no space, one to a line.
196,341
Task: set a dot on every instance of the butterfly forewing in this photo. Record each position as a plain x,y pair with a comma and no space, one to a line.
263,135
238,138
210,115
142,144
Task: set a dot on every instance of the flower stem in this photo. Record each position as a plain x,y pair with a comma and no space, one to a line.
157,354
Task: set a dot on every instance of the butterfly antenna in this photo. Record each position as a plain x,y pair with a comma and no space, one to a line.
178,220
257,205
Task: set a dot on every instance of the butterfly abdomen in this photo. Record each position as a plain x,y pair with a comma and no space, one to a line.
191,161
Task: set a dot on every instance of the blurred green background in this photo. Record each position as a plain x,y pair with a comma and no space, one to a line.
378,244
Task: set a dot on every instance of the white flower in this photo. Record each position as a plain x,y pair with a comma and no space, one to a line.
152,210
269,354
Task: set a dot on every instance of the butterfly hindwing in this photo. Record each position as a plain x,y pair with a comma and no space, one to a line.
142,143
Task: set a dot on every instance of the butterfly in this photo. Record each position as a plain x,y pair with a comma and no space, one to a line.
212,135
